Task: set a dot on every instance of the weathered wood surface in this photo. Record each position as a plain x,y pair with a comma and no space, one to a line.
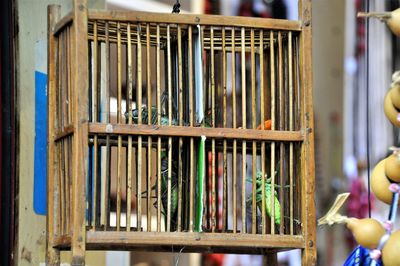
52,254
189,19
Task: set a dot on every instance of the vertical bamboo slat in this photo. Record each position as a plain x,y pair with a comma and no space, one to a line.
224,124
262,119
61,183
119,149
180,118
191,121
107,120
68,140
244,117
273,121
61,145
291,128
140,116
158,123
281,126
253,126
96,72
169,78
129,148
213,181
234,125
97,154
149,139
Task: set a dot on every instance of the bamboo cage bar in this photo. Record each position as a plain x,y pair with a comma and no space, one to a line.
262,119
224,124
291,128
169,149
180,158
254,143
119,150
69,139
139,122
107,120
61,153
234,125
158,63
129,148
96,150
191,121
281,126
273,121
96,73
150,114
151,154
213,181
244,154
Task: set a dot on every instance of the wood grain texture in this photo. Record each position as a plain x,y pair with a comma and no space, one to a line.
52,254
194,239
307,151
177,131
80,140
217,20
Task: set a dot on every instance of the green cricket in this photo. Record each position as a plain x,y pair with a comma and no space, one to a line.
269,193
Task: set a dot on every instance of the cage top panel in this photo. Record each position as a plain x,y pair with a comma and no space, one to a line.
213,35
195,19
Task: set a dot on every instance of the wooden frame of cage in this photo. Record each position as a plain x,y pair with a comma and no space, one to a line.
69,136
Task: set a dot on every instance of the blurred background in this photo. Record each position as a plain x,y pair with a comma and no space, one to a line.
351,131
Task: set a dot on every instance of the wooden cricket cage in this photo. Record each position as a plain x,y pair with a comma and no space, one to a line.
178,130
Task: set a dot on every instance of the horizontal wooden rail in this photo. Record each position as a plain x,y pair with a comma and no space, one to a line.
182,131
230,21
124,239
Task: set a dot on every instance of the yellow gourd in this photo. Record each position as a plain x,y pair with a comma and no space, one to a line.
391,250
395,95
392,167
390,111
395,90
367,232
380,183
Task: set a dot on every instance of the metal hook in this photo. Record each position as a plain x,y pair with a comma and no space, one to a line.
176,7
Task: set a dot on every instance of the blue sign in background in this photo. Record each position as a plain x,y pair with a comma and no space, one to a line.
40,160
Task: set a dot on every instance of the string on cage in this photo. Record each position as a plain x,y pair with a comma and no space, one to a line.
366,6
177,7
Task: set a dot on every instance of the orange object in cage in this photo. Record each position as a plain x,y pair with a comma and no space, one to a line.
267,125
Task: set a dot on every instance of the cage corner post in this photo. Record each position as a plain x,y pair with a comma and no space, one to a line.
308,218
80,121
52,253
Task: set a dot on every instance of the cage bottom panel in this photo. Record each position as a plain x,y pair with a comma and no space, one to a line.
190,242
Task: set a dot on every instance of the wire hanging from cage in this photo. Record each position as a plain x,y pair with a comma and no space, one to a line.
366,6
